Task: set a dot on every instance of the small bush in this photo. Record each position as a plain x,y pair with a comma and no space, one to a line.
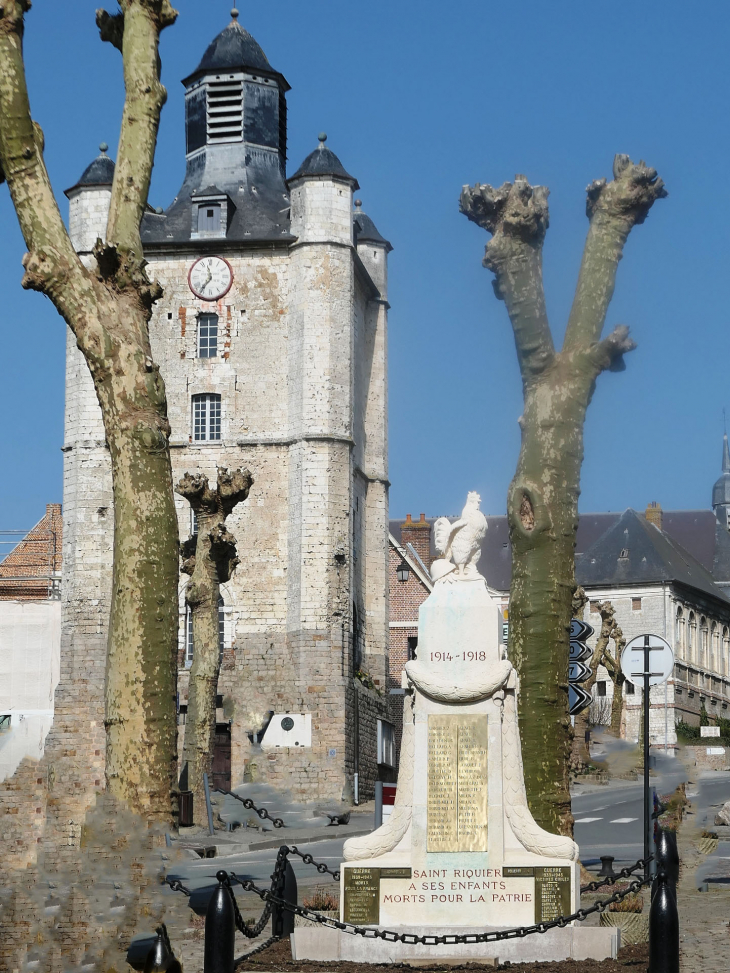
633,902
687,733
321,902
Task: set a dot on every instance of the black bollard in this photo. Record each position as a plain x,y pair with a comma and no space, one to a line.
282,920
220,929
160,958
667,856
607,867
663,928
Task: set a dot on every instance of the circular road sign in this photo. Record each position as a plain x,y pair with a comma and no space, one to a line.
661,660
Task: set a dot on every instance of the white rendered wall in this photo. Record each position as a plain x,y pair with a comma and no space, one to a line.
30,649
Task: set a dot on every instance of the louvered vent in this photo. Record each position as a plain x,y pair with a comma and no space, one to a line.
225,111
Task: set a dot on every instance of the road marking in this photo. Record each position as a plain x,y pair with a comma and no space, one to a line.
586,820
623,820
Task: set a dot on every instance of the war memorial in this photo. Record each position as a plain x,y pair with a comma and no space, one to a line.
461,851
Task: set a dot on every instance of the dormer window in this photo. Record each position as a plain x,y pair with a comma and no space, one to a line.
209,217
211,214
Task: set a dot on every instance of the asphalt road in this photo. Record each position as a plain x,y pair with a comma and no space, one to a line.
608,821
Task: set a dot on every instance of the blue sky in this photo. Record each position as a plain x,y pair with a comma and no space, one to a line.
419,98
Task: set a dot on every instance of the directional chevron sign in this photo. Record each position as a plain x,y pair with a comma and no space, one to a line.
578,671
578,698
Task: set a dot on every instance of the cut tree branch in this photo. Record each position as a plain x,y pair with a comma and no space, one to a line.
21,153
613,210
142,22
516,215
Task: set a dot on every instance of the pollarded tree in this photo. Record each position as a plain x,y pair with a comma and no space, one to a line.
542,505
108,308
209,557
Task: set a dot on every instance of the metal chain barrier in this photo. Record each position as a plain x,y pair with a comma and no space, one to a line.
320,866
250,806
270,897
624,873
482,937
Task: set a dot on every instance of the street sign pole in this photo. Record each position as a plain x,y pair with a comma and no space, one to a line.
647,807
636,661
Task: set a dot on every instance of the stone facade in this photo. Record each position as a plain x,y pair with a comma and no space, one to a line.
698,629
300,373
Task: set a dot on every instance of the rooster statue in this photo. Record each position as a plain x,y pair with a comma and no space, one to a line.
459,544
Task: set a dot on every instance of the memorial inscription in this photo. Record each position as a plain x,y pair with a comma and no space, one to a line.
362,892
457,783
552,888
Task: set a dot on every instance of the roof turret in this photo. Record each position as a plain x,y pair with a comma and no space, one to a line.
233,50
721,489
366,231
323,162
99,173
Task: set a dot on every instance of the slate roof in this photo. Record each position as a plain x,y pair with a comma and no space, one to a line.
232,50
99,173
366,231
696,531
323,162
635,551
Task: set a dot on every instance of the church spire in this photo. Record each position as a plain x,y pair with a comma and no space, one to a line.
725,455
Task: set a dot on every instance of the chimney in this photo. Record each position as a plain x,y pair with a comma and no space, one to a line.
419,535
653,514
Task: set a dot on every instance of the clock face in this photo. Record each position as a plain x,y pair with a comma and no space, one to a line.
210,278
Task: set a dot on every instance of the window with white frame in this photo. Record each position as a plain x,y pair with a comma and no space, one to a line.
679,634
206,417
715,648
386,744
725,651
207,336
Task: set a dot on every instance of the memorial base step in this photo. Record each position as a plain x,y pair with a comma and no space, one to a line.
322,944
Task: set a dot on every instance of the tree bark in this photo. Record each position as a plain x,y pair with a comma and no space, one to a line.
542,503
209,557
108,308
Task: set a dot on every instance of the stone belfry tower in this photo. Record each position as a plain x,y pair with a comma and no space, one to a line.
271,338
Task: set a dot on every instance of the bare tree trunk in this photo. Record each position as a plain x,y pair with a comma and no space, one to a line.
108,308
209,558
542,504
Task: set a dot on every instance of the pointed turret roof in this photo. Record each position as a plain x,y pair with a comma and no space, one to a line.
323,162
721,489
233,49
366,230
100,172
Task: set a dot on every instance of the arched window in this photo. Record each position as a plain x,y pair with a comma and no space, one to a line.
189,642
679,633
725,651
704,642
691,638
715,664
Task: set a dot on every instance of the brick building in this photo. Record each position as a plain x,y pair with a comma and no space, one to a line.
271,339
30,640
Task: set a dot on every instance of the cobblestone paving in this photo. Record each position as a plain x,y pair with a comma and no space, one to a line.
704,917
